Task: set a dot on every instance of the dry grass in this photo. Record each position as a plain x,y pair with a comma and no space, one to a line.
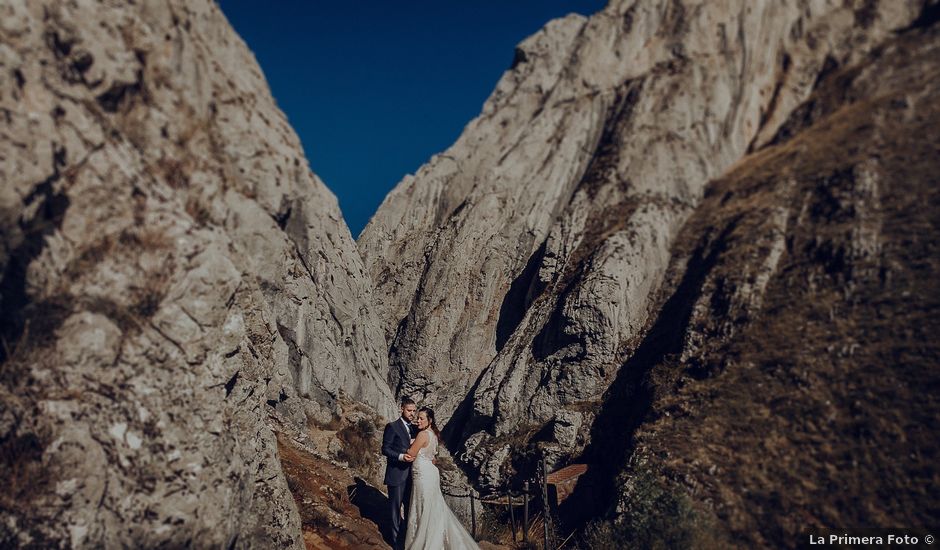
198,211
147,239
146,296
42,320
175,171
493,526
588,406
359,441
335,423
23,472
661,516
90,257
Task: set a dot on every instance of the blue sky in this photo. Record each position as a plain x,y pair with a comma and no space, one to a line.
375,87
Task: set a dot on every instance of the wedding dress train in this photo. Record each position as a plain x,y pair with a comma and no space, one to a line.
431,523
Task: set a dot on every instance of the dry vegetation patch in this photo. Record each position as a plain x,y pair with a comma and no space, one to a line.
322,491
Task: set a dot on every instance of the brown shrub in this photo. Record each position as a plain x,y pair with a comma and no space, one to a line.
90,257
493,526
198,211
145,238
175,172
40,321
24,476
333,425
359,444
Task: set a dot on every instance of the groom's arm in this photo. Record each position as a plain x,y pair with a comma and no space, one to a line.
388,439
388,444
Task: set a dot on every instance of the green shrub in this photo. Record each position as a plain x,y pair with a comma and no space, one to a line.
654,515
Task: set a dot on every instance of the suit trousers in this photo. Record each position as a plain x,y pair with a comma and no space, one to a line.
398,495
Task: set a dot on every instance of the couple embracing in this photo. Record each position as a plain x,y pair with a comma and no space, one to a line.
409,445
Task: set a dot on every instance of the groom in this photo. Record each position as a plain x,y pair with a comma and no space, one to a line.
395,442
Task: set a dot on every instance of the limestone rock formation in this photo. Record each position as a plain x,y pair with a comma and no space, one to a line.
683,237
784,381
516,271
172,275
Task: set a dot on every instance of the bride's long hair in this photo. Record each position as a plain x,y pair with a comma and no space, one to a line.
433,423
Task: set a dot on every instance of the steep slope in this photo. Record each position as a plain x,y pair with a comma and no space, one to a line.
172,274
788,381
515,272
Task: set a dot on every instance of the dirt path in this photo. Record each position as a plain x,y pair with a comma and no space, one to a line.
337,510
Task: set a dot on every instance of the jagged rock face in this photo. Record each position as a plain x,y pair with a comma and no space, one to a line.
784,382
515,272
173,274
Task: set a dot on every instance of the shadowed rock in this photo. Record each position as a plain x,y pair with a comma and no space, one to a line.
172,276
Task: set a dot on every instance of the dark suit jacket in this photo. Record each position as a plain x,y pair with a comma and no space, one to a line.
395,441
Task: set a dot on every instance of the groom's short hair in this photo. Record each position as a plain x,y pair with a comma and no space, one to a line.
405,401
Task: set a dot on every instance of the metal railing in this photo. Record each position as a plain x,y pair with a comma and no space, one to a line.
508,498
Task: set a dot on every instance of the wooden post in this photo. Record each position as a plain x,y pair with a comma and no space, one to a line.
512,516
473,516
546,513
525,512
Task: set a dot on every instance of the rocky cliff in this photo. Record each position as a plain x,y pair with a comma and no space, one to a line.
514,272
172,276
537,278
691,243
786,379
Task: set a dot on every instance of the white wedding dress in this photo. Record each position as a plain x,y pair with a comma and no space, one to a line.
431,523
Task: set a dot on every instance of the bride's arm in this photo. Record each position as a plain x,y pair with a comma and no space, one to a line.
420,441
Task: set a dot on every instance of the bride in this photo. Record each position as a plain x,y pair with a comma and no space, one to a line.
431,523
